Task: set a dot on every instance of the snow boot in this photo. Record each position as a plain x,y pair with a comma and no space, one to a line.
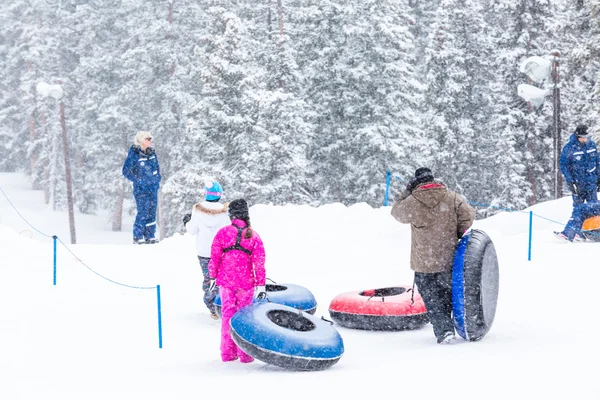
152,241
448,338
139,241
561,236
245,359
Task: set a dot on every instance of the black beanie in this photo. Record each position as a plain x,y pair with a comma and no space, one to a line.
423,175
238,209
581,131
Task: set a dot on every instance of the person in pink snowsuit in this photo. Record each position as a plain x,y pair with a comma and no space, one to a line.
237,263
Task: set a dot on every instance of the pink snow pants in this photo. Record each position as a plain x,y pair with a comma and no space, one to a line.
231,301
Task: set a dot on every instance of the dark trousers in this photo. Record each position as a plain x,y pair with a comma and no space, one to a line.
436,290
209,296
144,226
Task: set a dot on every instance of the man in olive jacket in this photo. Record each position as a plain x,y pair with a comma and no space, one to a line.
438,218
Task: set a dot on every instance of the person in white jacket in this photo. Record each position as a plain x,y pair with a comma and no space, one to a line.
205,220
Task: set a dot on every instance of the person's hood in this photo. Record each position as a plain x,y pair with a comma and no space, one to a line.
211,213
573,138
430,193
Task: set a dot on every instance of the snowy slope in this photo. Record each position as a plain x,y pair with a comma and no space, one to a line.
88,338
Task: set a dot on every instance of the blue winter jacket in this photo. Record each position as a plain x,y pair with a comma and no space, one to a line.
579,162
141,167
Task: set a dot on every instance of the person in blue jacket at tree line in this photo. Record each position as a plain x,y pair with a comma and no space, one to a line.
580,165
141,167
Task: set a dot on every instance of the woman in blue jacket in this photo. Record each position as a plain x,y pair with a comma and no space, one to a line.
141,167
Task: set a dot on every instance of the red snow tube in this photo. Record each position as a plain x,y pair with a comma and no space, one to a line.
387,309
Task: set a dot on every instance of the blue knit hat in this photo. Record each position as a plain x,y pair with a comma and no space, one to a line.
214,191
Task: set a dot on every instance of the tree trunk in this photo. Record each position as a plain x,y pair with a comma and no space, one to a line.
34,158
68,174
280,11
161,223
117,224
117,219
46,169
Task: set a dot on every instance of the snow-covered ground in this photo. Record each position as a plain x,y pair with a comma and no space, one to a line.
87,338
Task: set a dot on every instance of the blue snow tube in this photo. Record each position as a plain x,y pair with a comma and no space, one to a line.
286,337
294,296
475,282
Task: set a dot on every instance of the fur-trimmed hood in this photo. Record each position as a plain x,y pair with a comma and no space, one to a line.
207,207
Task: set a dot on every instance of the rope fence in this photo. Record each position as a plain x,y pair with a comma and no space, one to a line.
389,177
56,239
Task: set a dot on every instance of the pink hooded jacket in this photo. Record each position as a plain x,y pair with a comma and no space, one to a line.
235,269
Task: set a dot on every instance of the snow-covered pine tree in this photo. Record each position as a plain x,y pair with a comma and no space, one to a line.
457,98
358,58
175,94
510,186
220,135
594,43
580,31
521,29
14,124
284,122
424,12
45,60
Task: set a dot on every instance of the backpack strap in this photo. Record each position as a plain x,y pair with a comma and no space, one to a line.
238,241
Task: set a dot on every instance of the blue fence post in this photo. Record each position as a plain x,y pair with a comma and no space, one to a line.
388,176
530,233
159,317
54,239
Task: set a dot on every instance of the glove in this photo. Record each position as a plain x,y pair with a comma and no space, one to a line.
213,285
573,188
186,218
261,292
411,184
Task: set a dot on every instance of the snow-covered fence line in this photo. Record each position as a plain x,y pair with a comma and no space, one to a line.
56,239
388,181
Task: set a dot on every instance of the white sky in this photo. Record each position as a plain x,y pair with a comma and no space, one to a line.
87,338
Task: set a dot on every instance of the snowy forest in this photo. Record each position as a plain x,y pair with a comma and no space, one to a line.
291,101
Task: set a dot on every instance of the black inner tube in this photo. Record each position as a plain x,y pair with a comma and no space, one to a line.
291,320
385,292
275,288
